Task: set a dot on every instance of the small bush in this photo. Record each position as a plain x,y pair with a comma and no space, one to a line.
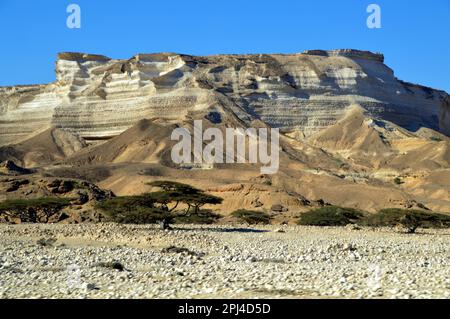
330,216
436,139
111,265
182,250
409,218
398,181
251,216
46,242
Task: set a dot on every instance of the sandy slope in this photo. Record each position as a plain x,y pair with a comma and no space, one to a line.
352,163
45,147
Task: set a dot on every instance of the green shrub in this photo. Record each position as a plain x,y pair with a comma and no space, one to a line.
131,210
384,217
204,216
138,216
330,216
32,210
141,210
37,203
409,218
436,139
398,181
251,216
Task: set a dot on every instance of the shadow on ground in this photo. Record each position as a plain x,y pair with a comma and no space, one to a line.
224,230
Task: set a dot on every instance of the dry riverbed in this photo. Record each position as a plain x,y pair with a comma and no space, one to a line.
131,261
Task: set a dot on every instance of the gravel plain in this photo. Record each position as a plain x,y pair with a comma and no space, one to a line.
219,261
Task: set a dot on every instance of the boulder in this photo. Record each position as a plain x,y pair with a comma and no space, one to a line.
278,208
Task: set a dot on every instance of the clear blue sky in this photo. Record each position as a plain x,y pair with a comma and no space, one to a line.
415,35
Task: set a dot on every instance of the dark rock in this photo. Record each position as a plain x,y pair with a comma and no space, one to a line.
66,187
61,187
92,287
322,203
420,205
15,185
304,201
54,183
83,198
181,250
11,168
278,208
256,203
45,242
214,117
112,265
62,216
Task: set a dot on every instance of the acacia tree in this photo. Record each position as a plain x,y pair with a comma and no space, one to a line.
411,222
164,199
169,186
176,193
199,200
139,209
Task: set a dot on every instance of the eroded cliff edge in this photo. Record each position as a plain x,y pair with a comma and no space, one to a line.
98,97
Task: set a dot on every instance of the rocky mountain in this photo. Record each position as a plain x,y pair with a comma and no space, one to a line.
352,133
97,97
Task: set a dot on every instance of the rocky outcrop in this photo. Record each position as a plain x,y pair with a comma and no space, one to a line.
348,53
10,168
98,97
49,200
444,118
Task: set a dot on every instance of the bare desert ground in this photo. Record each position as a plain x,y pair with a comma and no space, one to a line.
221,261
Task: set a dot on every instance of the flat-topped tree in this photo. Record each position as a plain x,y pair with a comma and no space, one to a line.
165,198
138,209
174,192
199,200
168,186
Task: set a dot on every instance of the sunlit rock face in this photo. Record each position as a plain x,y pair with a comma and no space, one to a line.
98,97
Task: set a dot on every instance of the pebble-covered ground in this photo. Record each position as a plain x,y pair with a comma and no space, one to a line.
86,261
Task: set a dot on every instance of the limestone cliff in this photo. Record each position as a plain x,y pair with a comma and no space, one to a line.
97,97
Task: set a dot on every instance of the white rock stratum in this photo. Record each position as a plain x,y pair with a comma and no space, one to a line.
98,97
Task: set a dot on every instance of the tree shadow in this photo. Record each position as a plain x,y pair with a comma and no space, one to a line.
223,230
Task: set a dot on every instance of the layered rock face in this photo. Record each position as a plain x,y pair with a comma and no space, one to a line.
98,97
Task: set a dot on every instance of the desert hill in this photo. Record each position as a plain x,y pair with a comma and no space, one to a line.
351,133
145,142
45,147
